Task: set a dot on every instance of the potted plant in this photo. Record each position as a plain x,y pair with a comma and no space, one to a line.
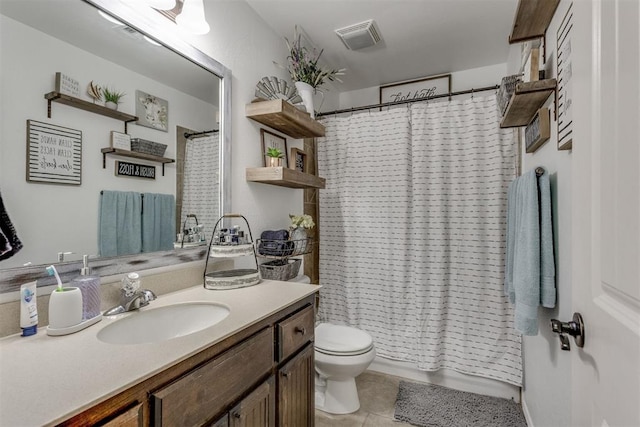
112,98
298,232
274,156
305,71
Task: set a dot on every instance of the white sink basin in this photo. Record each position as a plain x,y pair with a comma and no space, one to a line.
163,323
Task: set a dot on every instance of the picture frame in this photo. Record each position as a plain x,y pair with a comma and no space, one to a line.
564,89
120,141
538,131
152,112
270,139
54,154
298,160
419,89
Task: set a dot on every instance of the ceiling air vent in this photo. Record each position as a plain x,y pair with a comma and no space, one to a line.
359,36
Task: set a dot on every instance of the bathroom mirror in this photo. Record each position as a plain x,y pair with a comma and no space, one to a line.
70,37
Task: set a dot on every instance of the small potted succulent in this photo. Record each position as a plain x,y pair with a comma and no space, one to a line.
111,98
274,157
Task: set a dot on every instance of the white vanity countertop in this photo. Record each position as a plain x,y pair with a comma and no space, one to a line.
45,380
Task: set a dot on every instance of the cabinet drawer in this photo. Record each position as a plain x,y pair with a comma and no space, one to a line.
205,392
295,331
129,418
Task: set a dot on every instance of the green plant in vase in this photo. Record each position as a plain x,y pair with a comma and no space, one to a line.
112,98
275,156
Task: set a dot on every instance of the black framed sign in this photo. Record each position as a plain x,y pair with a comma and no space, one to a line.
418,89
135,170
54,154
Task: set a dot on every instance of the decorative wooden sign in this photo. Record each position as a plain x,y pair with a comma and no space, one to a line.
120,141
298,160
54,154
564,110
416,89
538,131
67,85
135,170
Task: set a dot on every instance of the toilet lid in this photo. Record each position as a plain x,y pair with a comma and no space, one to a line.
341,340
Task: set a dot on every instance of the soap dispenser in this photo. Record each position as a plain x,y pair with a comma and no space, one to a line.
90,288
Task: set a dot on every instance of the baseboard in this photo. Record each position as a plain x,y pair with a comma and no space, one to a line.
447,378
527,415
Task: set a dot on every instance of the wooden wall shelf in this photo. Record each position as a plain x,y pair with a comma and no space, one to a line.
284,117
135,155
87,106
532,19
525,102
284,177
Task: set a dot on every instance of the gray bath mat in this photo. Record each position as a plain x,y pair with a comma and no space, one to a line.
429,405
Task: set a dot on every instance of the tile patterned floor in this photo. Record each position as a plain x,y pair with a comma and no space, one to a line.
377,394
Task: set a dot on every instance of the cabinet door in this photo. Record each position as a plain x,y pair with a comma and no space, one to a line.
257,409
129,418
296,404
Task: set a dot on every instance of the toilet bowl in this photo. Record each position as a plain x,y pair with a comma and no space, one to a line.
341,354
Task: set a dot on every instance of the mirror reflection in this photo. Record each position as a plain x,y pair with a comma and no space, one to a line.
62,213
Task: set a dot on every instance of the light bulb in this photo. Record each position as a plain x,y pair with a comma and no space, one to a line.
192,17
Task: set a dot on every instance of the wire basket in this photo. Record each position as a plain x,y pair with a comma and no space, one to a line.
284,248
140,145
284,270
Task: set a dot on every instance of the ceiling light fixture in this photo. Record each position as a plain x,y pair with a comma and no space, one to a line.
192,18
109,18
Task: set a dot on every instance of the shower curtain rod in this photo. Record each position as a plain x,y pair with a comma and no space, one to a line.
204,132
408,101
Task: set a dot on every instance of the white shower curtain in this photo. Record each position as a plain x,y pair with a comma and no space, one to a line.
412,225
201,182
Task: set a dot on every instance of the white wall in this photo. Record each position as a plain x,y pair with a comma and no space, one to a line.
460,80
546,393
241,41
55,218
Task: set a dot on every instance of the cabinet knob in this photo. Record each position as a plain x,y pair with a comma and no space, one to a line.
286,374
237,415
300,330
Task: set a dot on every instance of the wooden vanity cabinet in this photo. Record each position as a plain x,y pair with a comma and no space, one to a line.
261,376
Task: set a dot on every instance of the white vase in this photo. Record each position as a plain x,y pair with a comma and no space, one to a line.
306,91
111,105
299,236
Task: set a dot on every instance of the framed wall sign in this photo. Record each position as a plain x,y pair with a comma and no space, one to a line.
271,140
54,154
120,140
152,112
538,131
67,85
424,88
564,110
135,170
298,160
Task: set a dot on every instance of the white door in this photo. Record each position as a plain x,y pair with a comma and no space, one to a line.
606,213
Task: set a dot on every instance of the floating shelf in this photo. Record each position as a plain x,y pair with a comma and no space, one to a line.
525,102
284,117
532,19
284,177
135,155
87,106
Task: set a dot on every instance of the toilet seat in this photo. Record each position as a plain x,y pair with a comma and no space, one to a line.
340,340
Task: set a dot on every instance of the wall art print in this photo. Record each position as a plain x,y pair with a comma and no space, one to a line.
152,112
54,154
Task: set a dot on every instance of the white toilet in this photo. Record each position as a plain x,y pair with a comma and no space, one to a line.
342,353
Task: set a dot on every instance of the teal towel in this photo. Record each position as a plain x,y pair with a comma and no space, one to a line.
530,267
158,222
120,223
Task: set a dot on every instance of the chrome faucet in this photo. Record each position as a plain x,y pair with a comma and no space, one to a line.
131,296
139,299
